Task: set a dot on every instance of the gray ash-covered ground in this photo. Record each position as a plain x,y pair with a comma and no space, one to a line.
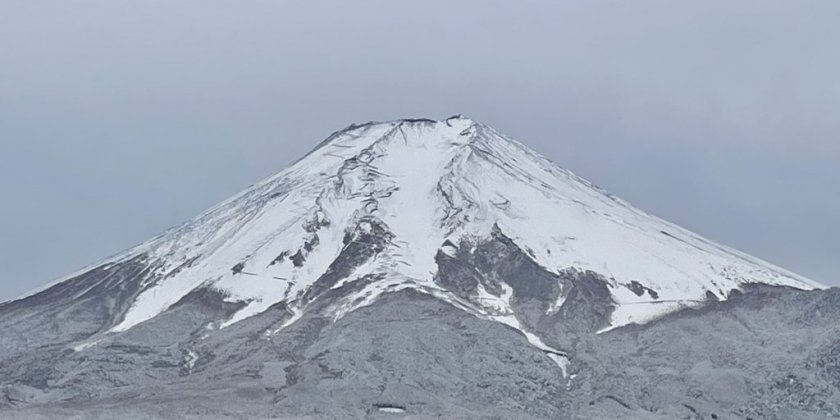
769,353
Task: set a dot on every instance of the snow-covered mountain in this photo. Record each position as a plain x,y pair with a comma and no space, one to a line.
415,189
449,210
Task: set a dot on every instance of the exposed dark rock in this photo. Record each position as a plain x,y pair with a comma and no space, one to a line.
639,289
237,269
369,238
280,258
298,259
310,245
588,305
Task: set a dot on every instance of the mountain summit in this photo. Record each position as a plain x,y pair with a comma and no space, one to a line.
449,210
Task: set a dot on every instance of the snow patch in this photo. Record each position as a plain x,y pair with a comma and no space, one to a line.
391,409
562,361
86,345
190,360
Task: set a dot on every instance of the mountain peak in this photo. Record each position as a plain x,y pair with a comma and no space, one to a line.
361,135
382,207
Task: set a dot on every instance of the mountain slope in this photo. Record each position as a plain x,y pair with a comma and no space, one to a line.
423,187
449,212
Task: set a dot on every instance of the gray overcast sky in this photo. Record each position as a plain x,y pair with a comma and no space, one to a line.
119,119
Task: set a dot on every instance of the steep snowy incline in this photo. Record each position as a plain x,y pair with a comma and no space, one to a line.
399,193
564,221
286,231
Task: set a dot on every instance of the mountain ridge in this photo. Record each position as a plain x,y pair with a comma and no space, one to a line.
441,253
464,149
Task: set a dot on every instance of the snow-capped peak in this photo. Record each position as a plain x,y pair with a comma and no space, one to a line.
403,191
